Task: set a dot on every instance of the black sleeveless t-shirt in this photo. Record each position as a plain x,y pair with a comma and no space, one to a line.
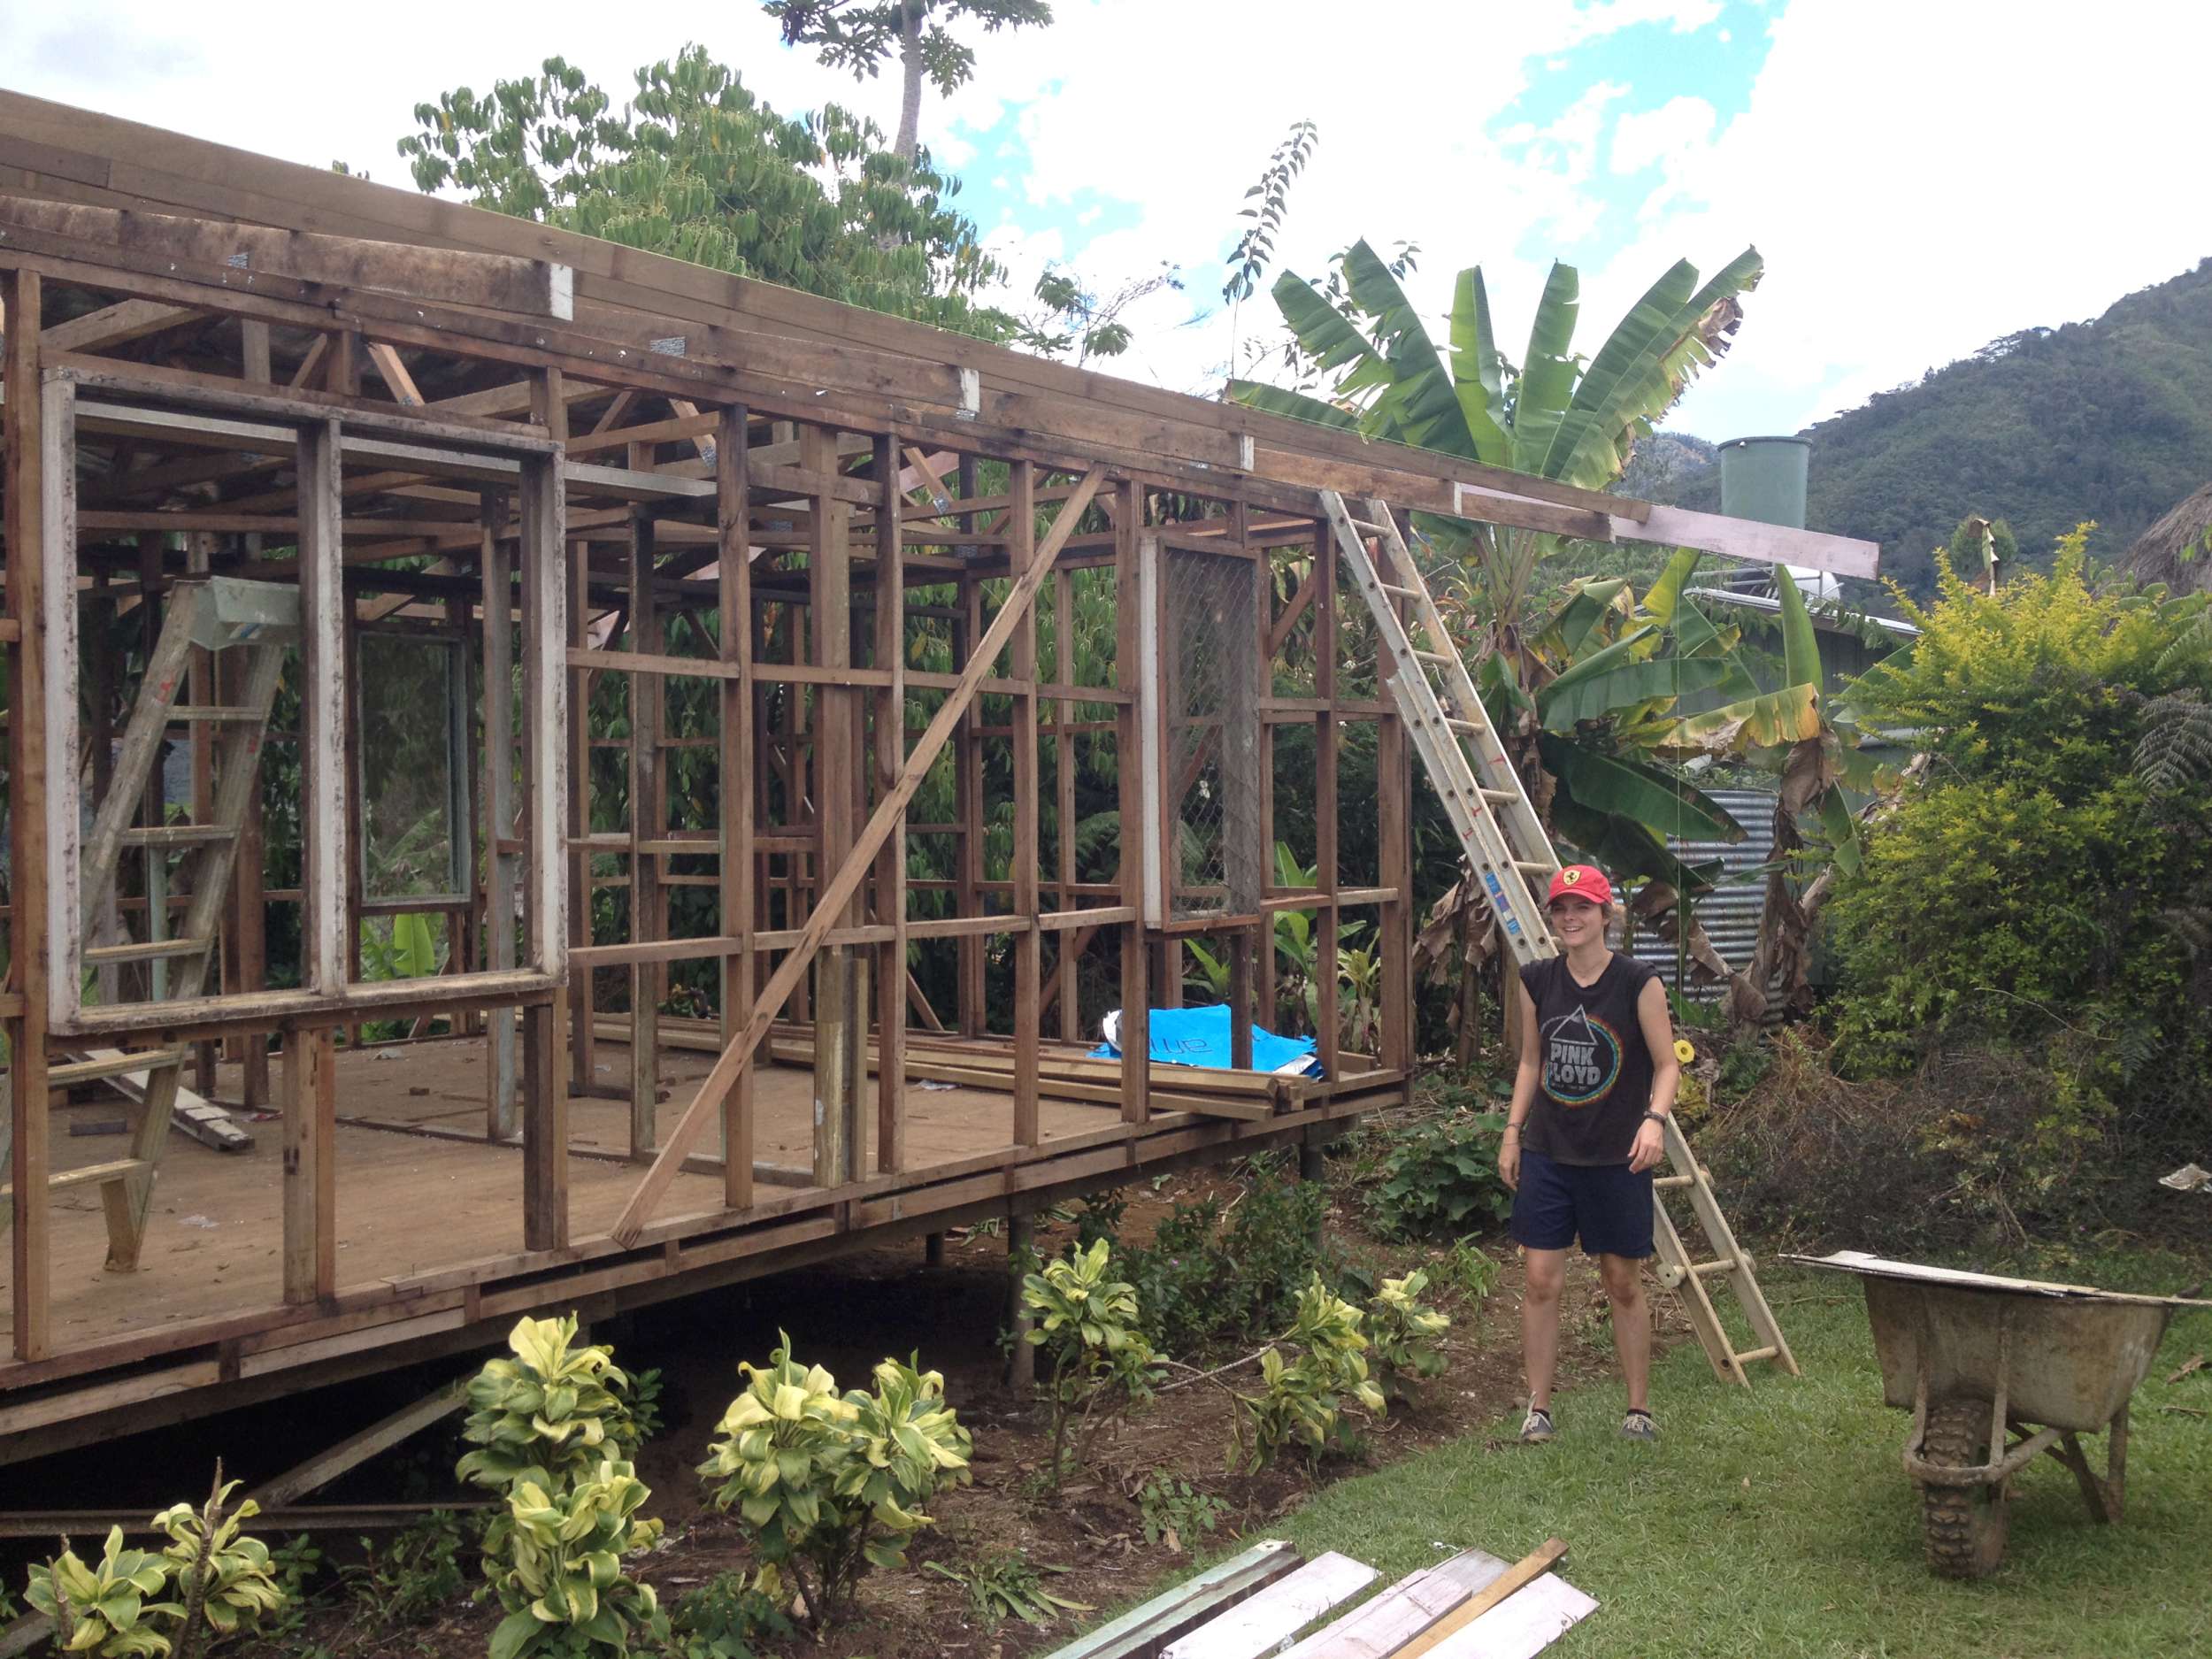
1595,1084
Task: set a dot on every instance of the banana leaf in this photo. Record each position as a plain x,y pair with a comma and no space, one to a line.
1570,627
1664,681
1622,788
1626,848
1842,827
1422,402
1801,643
1637,642
1775,717
1328,338
1277,401
1640,371
1476,373
1547,375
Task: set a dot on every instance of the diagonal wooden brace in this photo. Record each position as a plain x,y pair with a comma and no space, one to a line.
830,903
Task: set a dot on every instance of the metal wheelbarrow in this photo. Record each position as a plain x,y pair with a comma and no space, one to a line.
1974,1358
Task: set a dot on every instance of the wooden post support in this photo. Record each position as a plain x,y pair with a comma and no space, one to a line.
932,1249
25,1154
1021,1356
544,1135
583,1042
734,591
311,1189
1067,1021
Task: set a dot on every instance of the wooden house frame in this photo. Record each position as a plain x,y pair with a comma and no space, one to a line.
507,439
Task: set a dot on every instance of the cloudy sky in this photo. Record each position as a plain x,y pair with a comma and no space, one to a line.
1921,175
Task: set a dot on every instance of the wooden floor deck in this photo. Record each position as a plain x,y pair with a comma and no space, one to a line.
412,1200
429,1223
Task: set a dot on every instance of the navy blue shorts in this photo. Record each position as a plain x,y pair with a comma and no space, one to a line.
1608,1205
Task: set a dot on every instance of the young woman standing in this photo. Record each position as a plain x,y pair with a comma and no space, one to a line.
1586,1128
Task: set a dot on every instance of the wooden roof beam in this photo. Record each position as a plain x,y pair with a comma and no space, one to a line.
498,282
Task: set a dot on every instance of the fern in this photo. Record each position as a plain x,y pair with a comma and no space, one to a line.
2174,752
2194,645
2192,924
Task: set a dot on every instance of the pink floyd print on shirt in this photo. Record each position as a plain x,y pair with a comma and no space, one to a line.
1582,1058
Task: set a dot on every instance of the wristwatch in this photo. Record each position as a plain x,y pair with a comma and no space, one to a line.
1657,1117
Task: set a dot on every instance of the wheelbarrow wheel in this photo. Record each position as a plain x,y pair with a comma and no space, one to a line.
1965,1525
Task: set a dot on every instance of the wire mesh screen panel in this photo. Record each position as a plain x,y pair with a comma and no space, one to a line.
1216,858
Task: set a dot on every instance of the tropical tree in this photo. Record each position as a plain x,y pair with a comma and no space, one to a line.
859,34
695,167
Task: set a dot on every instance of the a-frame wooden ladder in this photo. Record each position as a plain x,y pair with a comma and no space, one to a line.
259,619
1506,847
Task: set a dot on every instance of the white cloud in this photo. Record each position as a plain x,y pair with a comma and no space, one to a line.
1643,138
1914,203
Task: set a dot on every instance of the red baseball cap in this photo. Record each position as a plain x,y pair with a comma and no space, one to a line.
1580,881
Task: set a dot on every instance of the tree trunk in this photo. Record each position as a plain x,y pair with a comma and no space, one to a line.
909,141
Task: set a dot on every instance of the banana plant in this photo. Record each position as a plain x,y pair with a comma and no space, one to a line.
1555,415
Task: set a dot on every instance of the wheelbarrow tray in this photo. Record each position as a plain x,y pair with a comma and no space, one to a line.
2077,1353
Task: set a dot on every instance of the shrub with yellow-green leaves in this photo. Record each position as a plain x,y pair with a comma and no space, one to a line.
215,1580
1403,1332
1303,1400
224,1576
554,1407
101,1607
1085,1321
554,1560
553,1431
829,1485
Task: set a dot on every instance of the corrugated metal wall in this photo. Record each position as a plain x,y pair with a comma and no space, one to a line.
1730,913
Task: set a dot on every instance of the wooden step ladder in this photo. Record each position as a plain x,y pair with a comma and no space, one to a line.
1506,847
215,614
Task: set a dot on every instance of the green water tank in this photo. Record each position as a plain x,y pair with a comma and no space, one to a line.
1764,478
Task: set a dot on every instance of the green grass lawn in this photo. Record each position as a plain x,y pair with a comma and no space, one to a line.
1776,1520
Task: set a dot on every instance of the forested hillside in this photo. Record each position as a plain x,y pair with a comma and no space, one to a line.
2110,419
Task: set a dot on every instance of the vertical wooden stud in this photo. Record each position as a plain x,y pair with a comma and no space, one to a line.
734,590
1021,537
890,760
502,1118
323,805
1136,1024
645,636
1327,929
26,1158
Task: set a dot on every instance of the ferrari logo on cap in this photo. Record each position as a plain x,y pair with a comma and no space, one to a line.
1571,875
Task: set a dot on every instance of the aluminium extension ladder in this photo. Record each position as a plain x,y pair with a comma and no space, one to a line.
1510,855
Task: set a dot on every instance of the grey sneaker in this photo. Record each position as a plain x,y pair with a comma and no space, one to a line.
1638,1425
1536,1427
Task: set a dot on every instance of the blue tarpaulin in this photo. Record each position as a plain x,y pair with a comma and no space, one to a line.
1200,1036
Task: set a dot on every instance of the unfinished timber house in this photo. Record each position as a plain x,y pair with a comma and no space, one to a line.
539,776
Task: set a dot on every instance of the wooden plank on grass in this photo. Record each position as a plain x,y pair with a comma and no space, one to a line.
1144,1632
1521,1626
1525,1572
1263,1623
1406,1610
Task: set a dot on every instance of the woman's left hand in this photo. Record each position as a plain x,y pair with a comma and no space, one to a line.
1651,1146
